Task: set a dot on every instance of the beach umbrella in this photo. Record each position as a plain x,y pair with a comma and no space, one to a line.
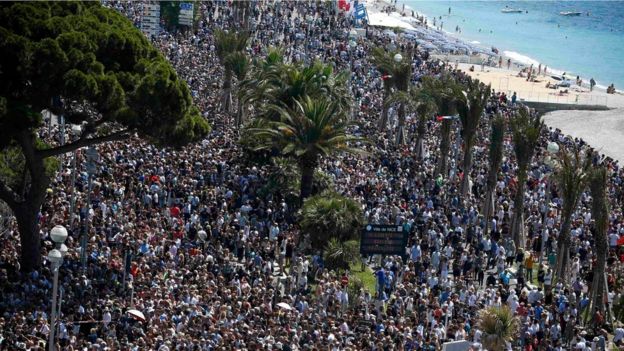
137,315
389,33
285,306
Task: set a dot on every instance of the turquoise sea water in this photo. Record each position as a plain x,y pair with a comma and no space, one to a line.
589,46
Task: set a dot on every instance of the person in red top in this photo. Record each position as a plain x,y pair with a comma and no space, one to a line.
175,211
522,310
344,280
134,269
178,234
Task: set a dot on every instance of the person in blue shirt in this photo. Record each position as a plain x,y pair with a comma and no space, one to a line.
381,280
538,311
444,296
380,328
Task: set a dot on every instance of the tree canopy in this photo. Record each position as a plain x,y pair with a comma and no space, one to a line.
91,65
330,215
98,64
313,128
274,83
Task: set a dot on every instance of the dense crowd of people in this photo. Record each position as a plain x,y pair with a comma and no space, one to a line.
184,236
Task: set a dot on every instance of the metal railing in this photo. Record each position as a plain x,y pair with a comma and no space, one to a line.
572,97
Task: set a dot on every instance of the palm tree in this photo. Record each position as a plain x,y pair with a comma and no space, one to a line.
424,112
330,215
495,158
381,59
310,129
241,12
445,145
448,96
239,64
340,255
600,213
571,178
398,74
499,327
264,73
526,130
227,43
470,114
418,100
276,84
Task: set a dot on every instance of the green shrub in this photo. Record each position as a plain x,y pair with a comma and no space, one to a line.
340,255
499,326
330,215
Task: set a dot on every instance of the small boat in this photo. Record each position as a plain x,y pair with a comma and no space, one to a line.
570,13
510,10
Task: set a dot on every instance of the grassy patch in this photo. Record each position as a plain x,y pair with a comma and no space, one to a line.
366,275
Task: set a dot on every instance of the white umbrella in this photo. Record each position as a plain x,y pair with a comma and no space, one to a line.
136,314
390,33
285,306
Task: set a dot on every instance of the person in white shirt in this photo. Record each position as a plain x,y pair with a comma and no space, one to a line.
618,335
613,239
513,304
555,332
477,336
415,252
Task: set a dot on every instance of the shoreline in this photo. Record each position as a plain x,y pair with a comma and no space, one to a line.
518,60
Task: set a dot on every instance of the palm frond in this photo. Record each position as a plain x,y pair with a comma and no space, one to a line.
499,326
238,62
227,42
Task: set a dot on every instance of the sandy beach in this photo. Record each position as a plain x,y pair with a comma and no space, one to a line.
506,80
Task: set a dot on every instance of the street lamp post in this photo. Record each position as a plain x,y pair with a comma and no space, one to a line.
551,149
76,131
352,54
61,121
58,234
457,146
456,119
309,20
92,156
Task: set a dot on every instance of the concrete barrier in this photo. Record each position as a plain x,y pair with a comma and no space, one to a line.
545,107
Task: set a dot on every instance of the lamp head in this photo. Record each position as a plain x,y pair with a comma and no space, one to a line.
552,147
76,129
58,234
55,256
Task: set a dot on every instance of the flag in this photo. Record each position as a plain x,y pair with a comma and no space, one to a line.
441,118
343,5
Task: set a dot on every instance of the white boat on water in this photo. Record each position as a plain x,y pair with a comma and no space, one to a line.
570,13
510,10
